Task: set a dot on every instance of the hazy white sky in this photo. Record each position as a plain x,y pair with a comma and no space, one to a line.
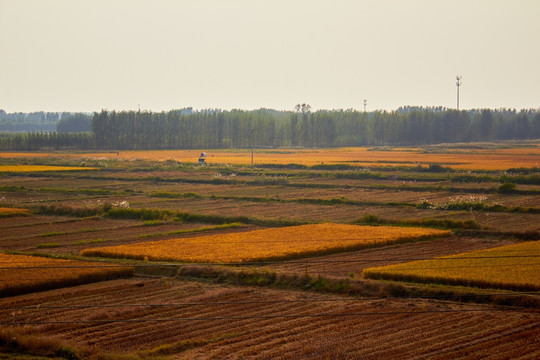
73,55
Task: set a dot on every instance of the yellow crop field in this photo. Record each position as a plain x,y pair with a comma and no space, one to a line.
36,168
22,274
12,211
267,244
487,159
514,267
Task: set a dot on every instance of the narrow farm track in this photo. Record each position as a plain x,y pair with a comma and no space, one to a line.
237,323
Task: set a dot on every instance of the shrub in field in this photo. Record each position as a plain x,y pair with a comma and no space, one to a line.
431,223
268,244
513,267
22,274
48,245
507,187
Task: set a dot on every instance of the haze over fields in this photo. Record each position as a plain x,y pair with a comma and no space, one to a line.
72,55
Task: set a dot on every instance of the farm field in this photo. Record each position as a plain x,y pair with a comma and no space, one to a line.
20,274
38,168
69,236
317,306
187,320
5,212
353,263
512,267
268,244
489,159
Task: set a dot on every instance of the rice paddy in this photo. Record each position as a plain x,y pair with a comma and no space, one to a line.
514,267
22,273
39,168
268,244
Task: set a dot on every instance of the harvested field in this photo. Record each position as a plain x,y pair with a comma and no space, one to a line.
72,235
513,267
21,274
351,264
268,244
131,201
493,159
36,168
343,213
188,320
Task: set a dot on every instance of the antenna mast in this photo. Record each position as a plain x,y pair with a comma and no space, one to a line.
458,83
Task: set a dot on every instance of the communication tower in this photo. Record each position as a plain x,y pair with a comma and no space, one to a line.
458,84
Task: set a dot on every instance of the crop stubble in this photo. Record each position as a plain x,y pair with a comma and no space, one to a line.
21,273
235,323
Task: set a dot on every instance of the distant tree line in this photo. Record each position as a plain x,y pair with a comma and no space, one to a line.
47,141
264,128
41,121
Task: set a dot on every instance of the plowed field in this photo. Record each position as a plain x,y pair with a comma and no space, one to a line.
353,263
137,197
71,235
192,320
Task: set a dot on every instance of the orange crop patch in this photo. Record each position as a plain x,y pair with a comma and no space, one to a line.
38,168
12,211
513,267
22,274
267,244
470,159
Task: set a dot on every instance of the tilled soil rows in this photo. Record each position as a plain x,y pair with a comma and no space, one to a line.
217,322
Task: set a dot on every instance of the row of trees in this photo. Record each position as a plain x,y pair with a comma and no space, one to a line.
178,129
304,128
44,121
47,141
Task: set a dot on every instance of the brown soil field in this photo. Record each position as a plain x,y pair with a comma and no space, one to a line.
262,322
21,274
352,263
343,213
191,320
351,192
496,159
70,236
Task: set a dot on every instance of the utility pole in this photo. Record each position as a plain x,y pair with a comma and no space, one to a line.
365,104
252,148
458,83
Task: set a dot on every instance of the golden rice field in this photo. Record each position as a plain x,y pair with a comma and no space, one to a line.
514,267
37,168
21,274
12,211
488,159
267,244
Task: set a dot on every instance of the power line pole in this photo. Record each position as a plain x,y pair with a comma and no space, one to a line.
252,148
365,104
458,83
